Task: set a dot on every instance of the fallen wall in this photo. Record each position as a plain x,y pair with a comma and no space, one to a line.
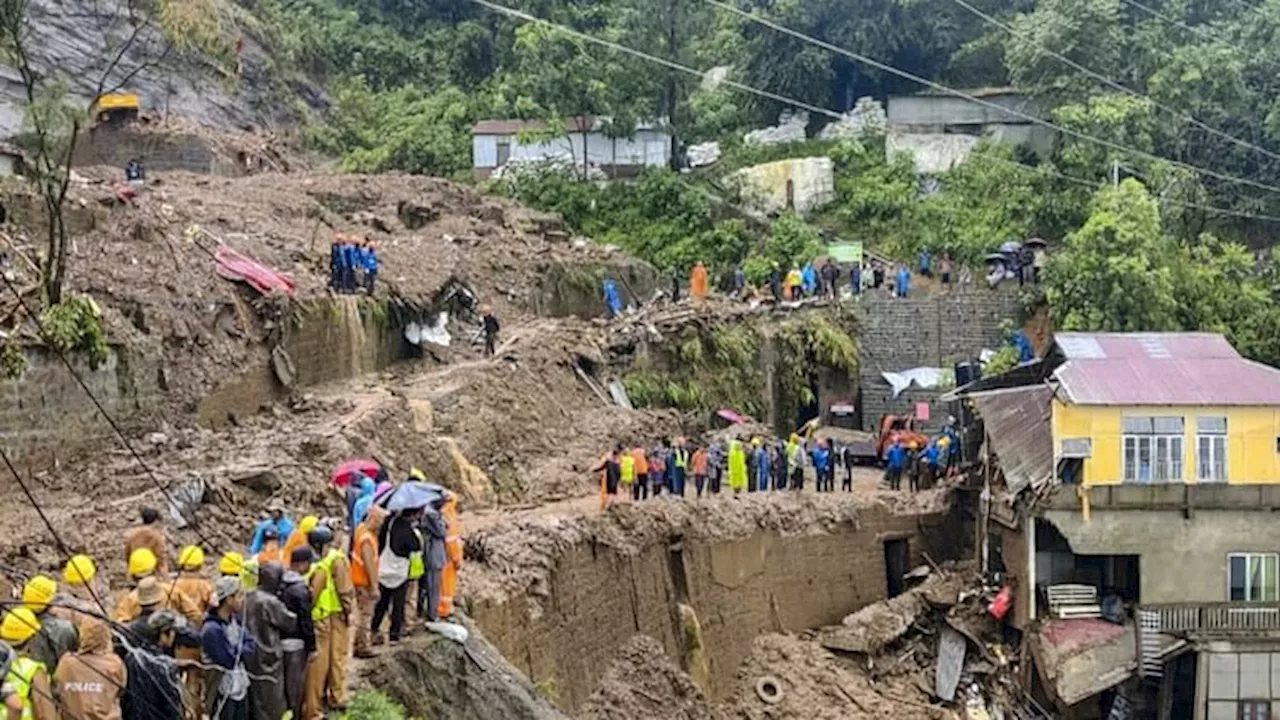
936,330
597,595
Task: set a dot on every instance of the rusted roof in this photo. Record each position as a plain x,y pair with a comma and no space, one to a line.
1161,369
1018,423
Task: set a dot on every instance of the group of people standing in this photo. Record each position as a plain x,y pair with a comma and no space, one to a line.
266,637
353,264
922,463
672,465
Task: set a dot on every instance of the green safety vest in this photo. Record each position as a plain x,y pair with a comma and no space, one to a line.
22,675
417,568
682,458
328,603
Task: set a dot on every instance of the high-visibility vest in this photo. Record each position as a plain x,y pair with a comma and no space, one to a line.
417,568
628,465
362,576
681,458
22,675
327,603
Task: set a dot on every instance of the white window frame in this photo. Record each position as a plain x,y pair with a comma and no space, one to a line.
1167,452
1212,449
1274,559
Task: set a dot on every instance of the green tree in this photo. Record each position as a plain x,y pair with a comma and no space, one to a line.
1086,31
1114,273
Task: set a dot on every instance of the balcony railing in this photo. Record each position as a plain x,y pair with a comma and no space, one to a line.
1217,618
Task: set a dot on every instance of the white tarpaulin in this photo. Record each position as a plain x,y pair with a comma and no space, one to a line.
924,377
435,334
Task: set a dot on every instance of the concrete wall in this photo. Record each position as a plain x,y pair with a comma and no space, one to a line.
925,330
600,596
1180,559
1229,675
115,146
646,148
811,181
949,110
45,415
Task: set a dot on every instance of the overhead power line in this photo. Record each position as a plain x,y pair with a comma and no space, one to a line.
820,110
1207,35
986,103
1182,115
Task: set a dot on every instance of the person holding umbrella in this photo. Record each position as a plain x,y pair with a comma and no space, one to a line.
398,541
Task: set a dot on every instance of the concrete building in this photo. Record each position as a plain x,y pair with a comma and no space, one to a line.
495,142
940,130
1144,468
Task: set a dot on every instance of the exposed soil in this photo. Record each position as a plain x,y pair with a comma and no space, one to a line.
643,683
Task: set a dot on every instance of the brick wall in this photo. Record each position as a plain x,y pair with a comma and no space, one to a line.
46,415
936,330
115,146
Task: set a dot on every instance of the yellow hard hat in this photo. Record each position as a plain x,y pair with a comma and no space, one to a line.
756,441
417,474
19,625
232,563
79,570
142,562
39,592
308,524
191,557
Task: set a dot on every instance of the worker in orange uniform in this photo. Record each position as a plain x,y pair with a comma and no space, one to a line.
192,582
453,557
142,564
698,281
331,610
296,539
270,552
640,491
364,575
701,462
150,535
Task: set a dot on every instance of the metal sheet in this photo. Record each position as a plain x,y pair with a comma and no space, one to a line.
951,650
1018,423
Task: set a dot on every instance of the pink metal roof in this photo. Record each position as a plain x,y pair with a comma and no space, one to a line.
1161,369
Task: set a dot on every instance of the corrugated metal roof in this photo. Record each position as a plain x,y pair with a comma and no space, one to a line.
1161,369
1018,423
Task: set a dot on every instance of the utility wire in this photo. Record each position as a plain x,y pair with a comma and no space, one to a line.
820,110
164,489
1186,117
985,103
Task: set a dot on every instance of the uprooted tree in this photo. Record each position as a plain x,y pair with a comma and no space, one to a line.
56,115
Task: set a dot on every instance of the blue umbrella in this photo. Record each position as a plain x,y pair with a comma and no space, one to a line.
411,496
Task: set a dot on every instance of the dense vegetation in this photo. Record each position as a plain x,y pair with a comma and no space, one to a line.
408,77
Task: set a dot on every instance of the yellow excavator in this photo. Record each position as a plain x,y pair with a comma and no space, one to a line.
117,108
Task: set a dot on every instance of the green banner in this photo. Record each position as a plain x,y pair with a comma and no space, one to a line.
845,252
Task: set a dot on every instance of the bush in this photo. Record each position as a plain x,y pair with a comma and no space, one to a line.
373,705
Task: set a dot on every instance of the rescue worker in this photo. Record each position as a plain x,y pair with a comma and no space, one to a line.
9,698
266,618
368,493
153,690
28,677
298,537
737,466
57,635
364,576
150,535
640,491
397,542
91,681
612,298
299,644
491,328
227,645
715,465
610,469
760,459
895,459
830,275
270,552
904,281
701,458
433,532
330,583
231,564
679,466
821,461
142,564
453,550
85,591
371,266
335,264
698,281
849,458
627,472
275,520
795,462
780,466
199,589
658,467
793,282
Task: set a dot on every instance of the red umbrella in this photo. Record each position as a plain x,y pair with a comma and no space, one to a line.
347,471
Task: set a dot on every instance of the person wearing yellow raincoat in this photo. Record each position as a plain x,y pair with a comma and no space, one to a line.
737,466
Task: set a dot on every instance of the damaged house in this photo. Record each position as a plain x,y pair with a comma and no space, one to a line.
1135,476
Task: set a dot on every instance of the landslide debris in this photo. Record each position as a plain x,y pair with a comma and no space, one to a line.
643,683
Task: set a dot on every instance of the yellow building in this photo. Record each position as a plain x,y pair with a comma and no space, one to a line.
1164,407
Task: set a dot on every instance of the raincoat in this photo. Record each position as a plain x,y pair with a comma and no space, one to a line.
904,282
283,527
266,617
57,636
361,509
90,682
612,297
698,281
763,469
737,467
810,278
